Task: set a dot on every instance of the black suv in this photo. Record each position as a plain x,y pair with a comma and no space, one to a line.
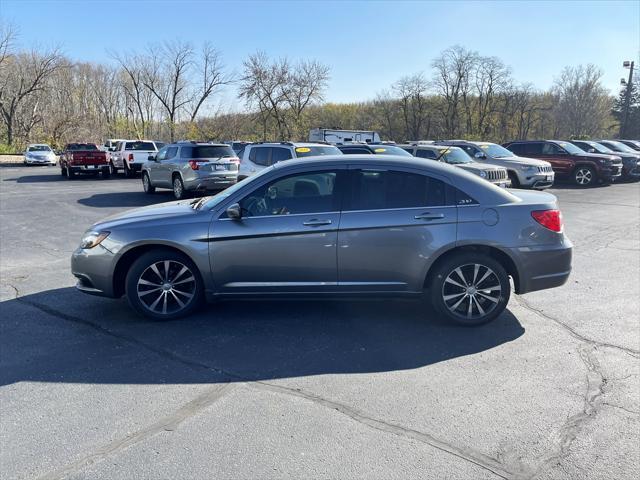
630,160
570,162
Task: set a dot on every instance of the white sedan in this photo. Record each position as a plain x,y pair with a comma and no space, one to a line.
39,154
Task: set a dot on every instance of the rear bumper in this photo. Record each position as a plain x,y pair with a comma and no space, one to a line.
88,168
542,267
211,182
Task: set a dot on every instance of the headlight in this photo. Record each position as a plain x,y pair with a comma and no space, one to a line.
528,168
93,239
483,174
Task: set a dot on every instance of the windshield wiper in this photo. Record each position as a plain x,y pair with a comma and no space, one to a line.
197,203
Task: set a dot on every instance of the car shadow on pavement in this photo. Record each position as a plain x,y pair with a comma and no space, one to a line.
54,176
65,336
126,199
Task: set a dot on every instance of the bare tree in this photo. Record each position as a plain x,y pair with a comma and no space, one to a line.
583,105
212,76
412,91
491,77
305,86
23,76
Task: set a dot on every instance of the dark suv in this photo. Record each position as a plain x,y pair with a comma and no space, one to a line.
630,159
372,148
570,162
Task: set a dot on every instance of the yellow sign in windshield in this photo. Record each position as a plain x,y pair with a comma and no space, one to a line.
380,150
303,150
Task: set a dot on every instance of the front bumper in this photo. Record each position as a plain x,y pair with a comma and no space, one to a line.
631,170
500,183
538,181
542,267
609,174
94,270
39,161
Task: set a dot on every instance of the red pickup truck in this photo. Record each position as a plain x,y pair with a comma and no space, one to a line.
84,158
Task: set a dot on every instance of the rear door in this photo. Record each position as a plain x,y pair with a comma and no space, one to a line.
392,221
286,238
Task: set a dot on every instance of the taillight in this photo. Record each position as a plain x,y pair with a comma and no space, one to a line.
551,219
195,164
131,157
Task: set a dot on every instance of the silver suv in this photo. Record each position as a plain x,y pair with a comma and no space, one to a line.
523,172
190,166
456,156
260,155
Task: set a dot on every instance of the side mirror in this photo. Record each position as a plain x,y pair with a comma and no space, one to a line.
151,158
592,150
480,155
234,211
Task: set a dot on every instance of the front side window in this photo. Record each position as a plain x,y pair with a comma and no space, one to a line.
495,151
162,154
171,152
551,149
312,192
377,190
455,156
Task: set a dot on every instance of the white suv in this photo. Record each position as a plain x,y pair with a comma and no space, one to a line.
260,155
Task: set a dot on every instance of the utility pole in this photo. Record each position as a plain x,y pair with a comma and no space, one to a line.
627,98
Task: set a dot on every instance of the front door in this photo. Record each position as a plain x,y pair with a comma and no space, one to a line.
285,240
392,222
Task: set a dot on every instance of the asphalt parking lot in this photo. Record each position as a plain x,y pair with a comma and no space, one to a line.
311,389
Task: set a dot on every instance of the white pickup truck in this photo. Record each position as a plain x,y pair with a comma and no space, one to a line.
129,155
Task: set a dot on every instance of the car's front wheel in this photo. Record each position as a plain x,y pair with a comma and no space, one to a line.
470,289
584,176
146,183
163,285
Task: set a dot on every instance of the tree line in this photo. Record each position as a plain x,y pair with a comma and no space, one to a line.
171,91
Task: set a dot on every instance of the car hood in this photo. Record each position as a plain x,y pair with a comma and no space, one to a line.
604,156
178,208
478,166
526,160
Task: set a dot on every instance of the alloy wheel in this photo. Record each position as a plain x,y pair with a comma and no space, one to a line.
471,291
145,182
584,176
166,287
177,188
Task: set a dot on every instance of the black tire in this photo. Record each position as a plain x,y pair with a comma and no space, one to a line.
127,171
515,183
584,176
112,168
63,171
486,289
146,184
105,173
178,188
70,173
142,296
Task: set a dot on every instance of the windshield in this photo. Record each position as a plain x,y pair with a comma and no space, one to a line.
148,146
317,151
390,150
455,156
82,146
208,203
571,148
496,151
619,147
597,147
39,148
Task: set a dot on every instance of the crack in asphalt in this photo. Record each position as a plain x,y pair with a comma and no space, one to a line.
613,405
594,391
479,459
574,333
168,423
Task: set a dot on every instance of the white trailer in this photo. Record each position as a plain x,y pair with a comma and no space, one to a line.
342,136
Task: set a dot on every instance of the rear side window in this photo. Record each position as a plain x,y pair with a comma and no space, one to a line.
140,146
551,149
376,190
426,154
279,154
260,156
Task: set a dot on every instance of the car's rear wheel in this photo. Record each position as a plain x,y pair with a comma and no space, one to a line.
70,173
470,289
63,171
163,285
127,171
105,173
178,188
146,184
584,176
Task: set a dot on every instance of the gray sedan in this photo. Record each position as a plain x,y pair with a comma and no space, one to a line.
334,226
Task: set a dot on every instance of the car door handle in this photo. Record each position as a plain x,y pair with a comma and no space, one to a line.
429,216
314,222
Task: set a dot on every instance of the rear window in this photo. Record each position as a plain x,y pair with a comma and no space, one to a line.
312,151
140,146
207,151
82,146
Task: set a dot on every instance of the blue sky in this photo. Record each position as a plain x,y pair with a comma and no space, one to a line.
368,45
